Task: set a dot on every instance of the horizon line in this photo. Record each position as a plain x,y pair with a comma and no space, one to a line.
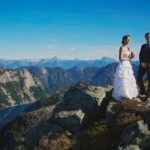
56,57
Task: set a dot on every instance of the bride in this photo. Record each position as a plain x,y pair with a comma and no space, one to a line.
124,81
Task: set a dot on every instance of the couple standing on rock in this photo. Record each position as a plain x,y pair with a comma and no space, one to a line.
124,81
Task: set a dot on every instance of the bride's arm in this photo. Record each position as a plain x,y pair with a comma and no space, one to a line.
121,56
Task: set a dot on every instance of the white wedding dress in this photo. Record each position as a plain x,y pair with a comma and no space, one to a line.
124,81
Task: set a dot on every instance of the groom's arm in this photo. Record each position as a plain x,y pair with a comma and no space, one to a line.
141,58
141,55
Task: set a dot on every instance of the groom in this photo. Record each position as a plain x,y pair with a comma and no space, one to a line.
144,67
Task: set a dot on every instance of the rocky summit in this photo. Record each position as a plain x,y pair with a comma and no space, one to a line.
87,118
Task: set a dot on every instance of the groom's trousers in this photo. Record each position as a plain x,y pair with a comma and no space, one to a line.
141,73
148,89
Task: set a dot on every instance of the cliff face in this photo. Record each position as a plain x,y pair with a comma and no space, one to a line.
26,85
87,118
18,86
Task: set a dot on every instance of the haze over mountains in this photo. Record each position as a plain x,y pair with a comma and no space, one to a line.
55,62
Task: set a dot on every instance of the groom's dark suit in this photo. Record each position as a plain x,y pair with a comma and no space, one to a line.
144,56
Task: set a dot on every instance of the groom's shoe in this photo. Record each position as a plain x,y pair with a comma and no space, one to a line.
142,97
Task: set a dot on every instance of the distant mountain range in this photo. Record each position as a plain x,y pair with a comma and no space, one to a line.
55,62
29,84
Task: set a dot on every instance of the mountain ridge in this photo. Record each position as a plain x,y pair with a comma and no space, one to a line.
28,84
55,62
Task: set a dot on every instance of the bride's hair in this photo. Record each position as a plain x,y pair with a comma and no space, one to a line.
124,38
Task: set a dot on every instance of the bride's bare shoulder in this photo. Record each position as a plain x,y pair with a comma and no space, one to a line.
121,48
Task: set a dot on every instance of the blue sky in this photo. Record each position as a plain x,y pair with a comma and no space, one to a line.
84,29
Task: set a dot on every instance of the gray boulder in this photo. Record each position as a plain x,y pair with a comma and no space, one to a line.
79,106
